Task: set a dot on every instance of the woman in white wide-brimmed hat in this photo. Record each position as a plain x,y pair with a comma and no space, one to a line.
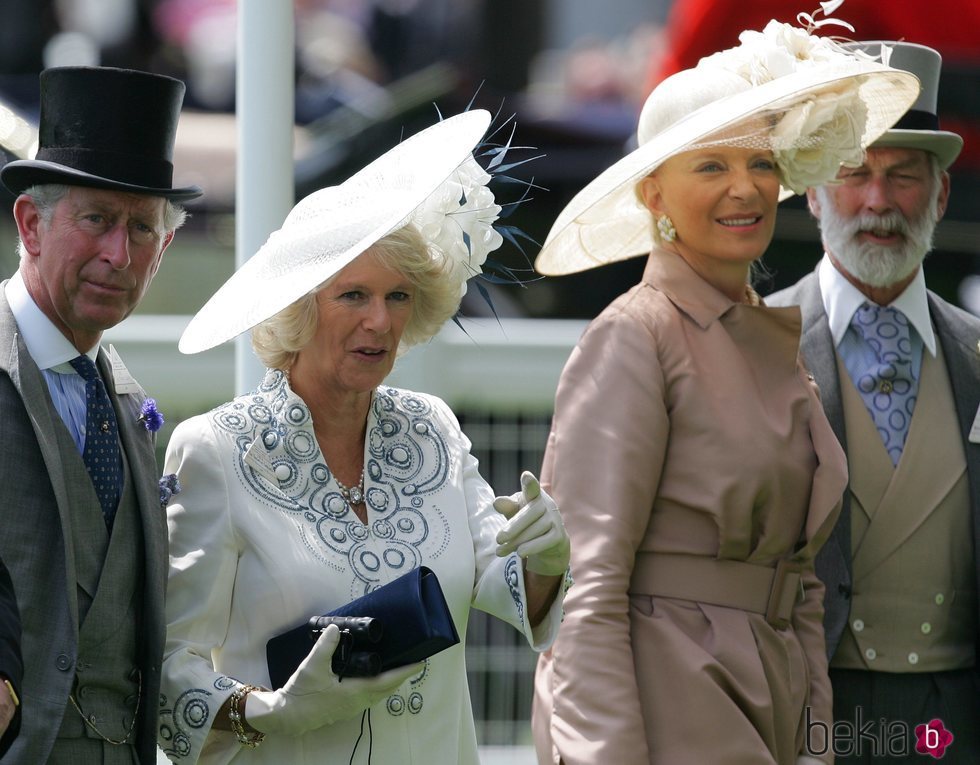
696,471
324,484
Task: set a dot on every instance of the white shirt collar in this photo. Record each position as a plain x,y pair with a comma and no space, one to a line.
841,299
47,346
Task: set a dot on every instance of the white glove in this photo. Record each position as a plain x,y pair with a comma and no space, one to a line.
534,528
314,696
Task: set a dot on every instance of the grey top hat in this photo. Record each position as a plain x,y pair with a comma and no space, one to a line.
919,127
105,128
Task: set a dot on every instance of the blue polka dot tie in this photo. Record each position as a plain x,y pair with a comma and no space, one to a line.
887,387
101,453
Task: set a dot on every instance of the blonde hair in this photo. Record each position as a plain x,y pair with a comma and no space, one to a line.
278,339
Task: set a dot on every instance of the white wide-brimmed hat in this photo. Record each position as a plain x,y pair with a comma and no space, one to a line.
813,103
430,178
918,128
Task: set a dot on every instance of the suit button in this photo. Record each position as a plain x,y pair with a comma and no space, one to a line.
63,662
871,654
940,599
926,628
913,658
84,692
858,625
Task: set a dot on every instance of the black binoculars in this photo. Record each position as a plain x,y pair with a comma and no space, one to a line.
356,654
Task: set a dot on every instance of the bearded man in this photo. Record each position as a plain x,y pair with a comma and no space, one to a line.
899,374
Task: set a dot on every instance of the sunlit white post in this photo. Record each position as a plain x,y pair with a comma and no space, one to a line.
264,166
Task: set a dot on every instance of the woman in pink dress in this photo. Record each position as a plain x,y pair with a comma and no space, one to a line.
696,471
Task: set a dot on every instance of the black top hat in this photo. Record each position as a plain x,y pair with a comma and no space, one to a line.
105,128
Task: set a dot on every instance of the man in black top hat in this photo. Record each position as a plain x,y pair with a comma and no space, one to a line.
899,375
83,534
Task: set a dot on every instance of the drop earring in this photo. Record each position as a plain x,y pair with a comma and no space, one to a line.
666,228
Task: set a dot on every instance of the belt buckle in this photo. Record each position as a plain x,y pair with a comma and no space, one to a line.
782,594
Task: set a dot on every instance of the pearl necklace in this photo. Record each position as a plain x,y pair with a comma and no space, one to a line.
353,495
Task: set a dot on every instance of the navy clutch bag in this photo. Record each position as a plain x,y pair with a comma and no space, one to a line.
400,623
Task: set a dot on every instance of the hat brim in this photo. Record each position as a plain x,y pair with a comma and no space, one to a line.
605,222
944,144
21,174
351,217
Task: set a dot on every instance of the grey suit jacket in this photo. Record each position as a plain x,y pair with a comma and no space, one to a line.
37,493
958,333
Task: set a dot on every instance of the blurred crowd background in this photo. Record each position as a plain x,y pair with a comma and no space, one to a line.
574,72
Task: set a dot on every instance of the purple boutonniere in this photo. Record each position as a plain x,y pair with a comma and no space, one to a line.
169,486
150,416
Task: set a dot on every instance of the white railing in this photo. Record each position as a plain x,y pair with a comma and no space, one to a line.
505,365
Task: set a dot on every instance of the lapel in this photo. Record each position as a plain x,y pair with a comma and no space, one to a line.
820,358
959,335
868,485
267,446
819,355
273,443
33,390
139,445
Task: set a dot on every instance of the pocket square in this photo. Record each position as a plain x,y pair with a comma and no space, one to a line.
414,619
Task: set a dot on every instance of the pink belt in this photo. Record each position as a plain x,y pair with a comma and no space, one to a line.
768,590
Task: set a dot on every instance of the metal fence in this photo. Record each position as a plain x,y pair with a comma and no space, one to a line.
500,665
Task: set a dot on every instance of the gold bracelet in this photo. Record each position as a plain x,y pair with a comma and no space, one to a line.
236,712
13,693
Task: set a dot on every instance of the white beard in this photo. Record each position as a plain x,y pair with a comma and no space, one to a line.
874,264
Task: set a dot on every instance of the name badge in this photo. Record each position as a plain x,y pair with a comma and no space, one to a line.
122,380
257,458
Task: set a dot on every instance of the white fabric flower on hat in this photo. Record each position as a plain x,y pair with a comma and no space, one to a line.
457,219
778,50
822,132
817,136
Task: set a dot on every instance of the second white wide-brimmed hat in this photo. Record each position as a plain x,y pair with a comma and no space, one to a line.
329,228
